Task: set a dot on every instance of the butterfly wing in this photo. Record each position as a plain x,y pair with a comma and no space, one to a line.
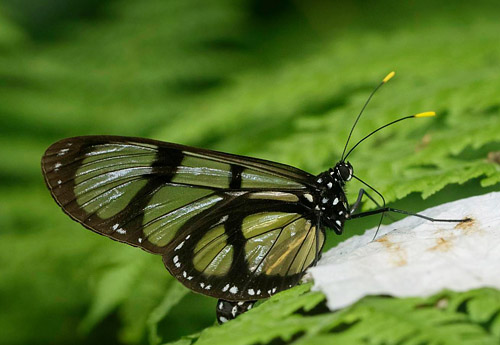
253,245
153,195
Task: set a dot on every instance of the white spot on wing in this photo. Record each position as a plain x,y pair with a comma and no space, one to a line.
233,289
202,285
175,259
338,222
62,152
225,288
309,197
179,246
208,287
121,231
329,185
234,310
221,305
115,226
336,201
251,292
324,200
222,319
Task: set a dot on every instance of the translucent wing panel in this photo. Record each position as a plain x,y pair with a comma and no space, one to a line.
260,223
169,198
212,254
281,246
162,229
202,171
256,179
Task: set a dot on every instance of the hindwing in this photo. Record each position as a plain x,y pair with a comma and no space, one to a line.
249,246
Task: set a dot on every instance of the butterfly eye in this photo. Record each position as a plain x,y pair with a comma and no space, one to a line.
345,172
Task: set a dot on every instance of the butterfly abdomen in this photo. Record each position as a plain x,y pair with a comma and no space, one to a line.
228,310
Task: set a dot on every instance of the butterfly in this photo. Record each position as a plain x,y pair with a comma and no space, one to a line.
236,228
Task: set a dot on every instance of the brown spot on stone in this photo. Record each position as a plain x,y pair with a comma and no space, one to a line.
397,254
442,245
466,224
494,157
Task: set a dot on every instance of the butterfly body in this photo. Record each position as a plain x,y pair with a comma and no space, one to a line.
331,204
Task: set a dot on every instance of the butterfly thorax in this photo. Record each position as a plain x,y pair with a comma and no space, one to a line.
332,206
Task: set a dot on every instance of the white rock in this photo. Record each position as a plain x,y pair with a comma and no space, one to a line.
416,257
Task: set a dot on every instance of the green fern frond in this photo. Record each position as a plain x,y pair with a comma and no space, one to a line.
298,316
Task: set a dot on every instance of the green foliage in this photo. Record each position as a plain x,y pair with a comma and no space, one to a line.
172,297
300,317
281,82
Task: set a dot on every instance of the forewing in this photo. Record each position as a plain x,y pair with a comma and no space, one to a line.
143,192
249,247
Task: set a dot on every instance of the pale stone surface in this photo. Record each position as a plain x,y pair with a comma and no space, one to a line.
415,257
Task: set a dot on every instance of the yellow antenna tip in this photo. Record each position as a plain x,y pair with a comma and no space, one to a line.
388,77
426,114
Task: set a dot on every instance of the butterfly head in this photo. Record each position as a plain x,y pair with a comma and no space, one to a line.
342,172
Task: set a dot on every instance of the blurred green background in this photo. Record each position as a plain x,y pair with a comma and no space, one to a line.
280,80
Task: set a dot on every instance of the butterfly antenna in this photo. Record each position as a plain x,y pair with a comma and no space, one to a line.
424,114
385,80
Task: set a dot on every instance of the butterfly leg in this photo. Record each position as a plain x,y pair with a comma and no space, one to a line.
390,209
384,210
362,193
228,310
